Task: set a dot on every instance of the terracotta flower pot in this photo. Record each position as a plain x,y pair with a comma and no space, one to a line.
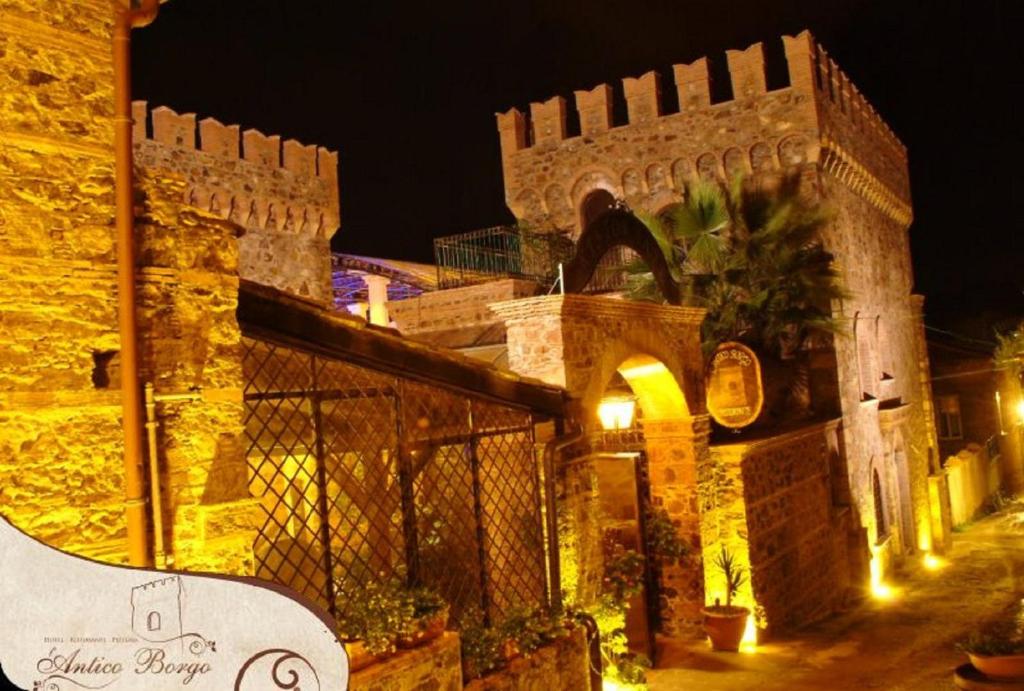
1004,667
725,626
359,657
430,628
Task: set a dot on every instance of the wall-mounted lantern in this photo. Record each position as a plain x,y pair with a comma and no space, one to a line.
616,411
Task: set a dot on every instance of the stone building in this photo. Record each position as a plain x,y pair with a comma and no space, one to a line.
876,455
289,441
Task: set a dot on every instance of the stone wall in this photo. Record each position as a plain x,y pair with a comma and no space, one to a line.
61,444
561,666
287,204
775,512
436,665
190,347
458,317
818,125
61,472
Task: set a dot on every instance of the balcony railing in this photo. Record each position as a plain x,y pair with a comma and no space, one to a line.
500,252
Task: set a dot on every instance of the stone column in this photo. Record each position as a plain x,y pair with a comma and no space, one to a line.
190,344
680,473
377,296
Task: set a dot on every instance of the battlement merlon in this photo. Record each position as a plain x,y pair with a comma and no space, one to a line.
263,184
845,120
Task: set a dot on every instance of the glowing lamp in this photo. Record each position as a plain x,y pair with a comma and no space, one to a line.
934,563
1020,410
616,412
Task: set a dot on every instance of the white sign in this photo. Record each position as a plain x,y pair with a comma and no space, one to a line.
68,624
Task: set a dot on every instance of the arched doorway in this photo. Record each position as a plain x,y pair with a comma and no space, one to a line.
648,486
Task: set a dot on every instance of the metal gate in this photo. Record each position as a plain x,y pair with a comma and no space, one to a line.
366,476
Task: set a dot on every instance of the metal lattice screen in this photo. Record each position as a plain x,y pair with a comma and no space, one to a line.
365,476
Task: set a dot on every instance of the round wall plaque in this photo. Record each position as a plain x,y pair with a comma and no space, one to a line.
734,391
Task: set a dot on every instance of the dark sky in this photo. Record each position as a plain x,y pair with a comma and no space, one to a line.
407,93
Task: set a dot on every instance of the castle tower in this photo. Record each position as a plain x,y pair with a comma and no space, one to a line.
62,474
821,126
61,470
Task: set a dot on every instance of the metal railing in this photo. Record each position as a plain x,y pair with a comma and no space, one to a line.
367,476
500,252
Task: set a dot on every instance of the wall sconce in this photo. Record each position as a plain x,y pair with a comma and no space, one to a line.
616,412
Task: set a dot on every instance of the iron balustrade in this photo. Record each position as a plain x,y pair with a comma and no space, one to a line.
366,475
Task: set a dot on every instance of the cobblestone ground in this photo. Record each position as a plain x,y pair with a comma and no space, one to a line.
904,644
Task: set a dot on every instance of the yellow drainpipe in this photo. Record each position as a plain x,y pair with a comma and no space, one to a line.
125,19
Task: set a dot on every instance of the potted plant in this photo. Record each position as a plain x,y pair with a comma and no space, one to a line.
372,622
997,653
525,629
428,617
725,624
481,646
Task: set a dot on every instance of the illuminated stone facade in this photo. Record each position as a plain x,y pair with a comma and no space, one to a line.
287,203
818,124
61,467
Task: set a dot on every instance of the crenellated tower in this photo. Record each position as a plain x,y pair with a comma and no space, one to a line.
820,125
284,195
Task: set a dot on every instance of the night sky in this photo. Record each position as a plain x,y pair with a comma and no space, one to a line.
407,92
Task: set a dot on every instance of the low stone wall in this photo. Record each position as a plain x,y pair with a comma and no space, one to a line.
458,317
436,665
796,540
973,478
562,666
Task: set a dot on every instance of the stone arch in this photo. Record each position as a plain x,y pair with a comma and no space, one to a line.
590,180
215,205
657,178
682,173
527,205
557,202
793,150
707,167
618,227
632,184
734,163
272,217
761,158
597,203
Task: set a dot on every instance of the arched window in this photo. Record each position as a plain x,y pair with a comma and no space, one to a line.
153,621
595,204
881,525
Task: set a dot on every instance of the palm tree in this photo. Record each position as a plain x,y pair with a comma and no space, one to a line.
750,254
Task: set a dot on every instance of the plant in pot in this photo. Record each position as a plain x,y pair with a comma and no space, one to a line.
726,623
998,652
372,622
481,646
525,629
428,616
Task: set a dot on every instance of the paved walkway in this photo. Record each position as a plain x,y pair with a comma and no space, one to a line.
905,644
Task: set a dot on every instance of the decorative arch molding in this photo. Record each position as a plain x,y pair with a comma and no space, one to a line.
616,228
593,179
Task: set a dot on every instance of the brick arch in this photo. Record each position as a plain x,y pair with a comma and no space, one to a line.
634,351
590,180
734,163
682,173
527,205
632,183
708,167
657,178
762,158
557,201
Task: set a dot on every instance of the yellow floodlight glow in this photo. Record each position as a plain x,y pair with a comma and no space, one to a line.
749,642
645,370
616,412
1020,410
934,563
880,590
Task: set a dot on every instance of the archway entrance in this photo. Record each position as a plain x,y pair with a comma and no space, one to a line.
600,348
647,488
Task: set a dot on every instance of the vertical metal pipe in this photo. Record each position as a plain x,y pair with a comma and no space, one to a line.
125,19
323,505
159,553
551,507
